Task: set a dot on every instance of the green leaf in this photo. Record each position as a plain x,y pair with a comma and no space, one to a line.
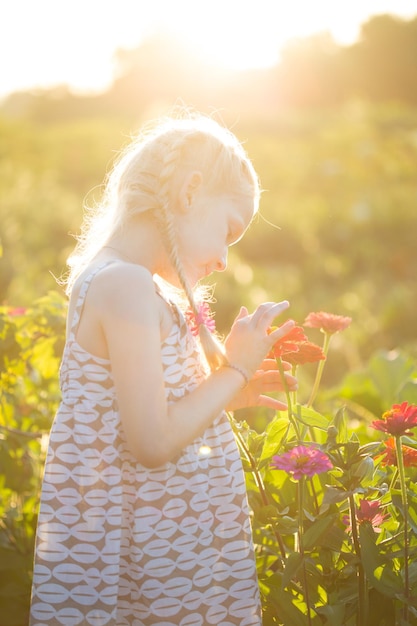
363,470
314,533
275,433
333,495
378,571
390,372
408,392
292,564
310,417
285,610
334,614
339,423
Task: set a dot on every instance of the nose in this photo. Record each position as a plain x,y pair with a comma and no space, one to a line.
222,263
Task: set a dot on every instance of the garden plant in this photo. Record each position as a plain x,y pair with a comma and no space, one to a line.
332,489
334,499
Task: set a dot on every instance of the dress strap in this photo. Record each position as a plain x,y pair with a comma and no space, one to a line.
81,298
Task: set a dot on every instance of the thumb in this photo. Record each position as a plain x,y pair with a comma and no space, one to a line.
242,313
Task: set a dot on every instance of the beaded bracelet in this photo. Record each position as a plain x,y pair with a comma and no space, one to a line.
238,369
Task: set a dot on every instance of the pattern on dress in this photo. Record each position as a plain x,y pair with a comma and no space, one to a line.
119,544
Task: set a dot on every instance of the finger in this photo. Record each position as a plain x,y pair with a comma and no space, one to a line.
268,311
242,313
292,382
270,380
269,317
272,403
281,331
271,364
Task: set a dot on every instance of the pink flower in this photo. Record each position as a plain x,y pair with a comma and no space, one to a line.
302,461
370,511
288,343
307,352
327,322
203,317
17,311
398,420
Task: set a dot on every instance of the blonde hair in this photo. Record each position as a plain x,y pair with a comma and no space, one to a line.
145,178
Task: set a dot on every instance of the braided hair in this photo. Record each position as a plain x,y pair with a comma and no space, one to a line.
145,178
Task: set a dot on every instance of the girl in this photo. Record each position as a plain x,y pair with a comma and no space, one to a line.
144,518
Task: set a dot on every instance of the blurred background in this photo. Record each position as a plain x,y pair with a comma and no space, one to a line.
323,94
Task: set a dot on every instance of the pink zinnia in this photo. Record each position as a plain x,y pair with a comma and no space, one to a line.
398,420
370,511
288,343
302,461
307,352
203,317
327,322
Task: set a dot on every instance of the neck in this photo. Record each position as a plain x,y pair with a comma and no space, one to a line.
140,243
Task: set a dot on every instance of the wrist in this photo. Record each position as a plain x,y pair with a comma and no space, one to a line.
240,370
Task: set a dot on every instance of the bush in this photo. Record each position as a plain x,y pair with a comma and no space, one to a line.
334,512
31,342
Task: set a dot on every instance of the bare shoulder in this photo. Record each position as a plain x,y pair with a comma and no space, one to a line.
124,287
121,299
125,295
120,281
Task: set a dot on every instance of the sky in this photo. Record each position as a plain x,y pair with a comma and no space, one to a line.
45,43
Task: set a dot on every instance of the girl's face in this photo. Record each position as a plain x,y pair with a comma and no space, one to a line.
208,228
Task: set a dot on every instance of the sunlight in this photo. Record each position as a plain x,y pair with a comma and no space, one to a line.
75,43
239,41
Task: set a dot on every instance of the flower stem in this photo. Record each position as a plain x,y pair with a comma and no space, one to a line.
362,608
257,477
294,393
320,369
301,543
289,403
401,472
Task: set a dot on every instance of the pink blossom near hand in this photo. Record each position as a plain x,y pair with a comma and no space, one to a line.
398,420
203,317
327,322
302,461
288,343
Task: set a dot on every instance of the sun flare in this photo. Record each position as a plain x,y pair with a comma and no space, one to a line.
74,43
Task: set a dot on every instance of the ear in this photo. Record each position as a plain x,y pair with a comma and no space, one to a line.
191,184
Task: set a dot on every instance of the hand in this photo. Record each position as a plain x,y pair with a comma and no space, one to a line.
267,379
248,342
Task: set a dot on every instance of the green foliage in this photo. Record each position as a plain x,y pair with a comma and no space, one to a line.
326,574
31,343
340,185
320,561
45,176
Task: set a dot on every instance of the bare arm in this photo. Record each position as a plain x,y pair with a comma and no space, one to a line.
155,430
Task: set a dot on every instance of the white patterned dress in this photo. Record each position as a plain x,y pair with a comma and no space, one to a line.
120,544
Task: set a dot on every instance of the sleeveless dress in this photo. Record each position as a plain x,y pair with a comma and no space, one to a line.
120,544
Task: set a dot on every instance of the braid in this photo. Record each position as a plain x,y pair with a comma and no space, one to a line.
212,348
